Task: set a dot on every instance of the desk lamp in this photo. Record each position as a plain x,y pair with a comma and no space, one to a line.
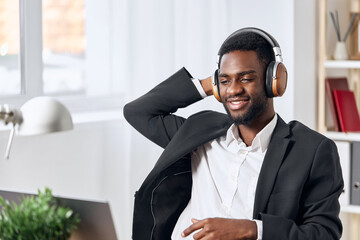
37,116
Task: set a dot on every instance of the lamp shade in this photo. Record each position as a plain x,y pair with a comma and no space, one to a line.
44,115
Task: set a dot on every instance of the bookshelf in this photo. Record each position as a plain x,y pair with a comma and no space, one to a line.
342,136
325,54
328,67
344,64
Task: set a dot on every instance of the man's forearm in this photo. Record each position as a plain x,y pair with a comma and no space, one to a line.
152,115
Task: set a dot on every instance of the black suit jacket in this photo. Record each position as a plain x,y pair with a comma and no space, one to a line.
298,186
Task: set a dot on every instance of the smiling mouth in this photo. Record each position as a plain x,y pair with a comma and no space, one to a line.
236,104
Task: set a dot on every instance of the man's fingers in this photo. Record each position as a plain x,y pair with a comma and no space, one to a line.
200,235
193,220
192,228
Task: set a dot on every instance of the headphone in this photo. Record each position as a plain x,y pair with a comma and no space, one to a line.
276,73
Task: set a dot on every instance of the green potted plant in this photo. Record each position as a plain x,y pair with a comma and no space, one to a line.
36,218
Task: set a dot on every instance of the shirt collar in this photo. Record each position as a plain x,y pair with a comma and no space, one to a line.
261,140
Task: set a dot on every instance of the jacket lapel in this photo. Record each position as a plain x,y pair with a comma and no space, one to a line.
272,162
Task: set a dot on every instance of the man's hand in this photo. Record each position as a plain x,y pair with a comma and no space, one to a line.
207,85
222,228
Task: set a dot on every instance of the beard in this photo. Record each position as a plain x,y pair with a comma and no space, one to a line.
258,106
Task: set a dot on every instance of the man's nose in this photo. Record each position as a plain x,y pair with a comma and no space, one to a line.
236,87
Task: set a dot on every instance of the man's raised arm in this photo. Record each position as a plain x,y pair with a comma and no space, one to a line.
151,114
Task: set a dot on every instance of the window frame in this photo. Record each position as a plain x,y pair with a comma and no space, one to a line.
110,95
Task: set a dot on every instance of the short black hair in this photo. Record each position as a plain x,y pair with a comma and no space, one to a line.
248,41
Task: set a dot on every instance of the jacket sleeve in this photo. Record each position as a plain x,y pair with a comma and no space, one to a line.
319,205
152,114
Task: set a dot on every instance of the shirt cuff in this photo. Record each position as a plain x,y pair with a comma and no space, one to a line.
259,225
199,87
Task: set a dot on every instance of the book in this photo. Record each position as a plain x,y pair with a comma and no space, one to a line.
330,85
347,111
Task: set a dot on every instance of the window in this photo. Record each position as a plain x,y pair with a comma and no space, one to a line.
63,37
61,48
9,48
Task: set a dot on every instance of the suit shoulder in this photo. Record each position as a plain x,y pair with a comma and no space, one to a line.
211,119
209,113
299,130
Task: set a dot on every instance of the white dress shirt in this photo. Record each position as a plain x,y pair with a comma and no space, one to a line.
225,173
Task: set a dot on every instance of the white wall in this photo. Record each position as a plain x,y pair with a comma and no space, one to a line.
304,55
109,160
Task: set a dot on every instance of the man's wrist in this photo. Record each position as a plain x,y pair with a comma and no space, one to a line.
253,231
199,87
247,229
259,229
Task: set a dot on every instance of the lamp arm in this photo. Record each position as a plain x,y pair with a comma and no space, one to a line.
7,153
10,115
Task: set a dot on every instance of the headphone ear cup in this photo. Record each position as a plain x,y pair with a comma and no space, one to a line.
269,80
275,86
280,82
215,86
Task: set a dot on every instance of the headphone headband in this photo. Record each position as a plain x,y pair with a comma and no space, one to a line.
270,39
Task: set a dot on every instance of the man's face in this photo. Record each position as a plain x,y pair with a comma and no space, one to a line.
241,81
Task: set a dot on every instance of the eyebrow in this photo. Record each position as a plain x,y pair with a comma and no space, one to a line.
239,74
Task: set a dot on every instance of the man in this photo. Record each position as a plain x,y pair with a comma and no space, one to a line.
241,175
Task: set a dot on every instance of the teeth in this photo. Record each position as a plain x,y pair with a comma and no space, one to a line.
236,102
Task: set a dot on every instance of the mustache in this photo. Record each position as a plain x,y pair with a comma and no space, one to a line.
237,97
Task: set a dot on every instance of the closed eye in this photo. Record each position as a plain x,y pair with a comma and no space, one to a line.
245,80
224,81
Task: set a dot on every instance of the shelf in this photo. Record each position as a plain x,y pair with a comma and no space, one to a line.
342,64
350,209
342,136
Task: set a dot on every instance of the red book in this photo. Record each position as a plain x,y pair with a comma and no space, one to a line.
347,110
330,85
